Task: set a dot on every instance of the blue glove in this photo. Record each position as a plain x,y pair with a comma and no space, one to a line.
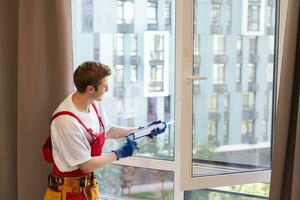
126,150
156,131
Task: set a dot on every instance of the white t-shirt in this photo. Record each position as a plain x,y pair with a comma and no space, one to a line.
70,141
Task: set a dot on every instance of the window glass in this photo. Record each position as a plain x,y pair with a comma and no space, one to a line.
152,12
253,17
258,191
123,182
232,124
142,84
215,13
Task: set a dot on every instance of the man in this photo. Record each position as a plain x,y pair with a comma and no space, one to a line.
78,130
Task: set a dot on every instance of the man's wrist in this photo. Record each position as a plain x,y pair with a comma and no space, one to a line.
115,155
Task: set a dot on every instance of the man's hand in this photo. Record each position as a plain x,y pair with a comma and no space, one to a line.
126,150
156,131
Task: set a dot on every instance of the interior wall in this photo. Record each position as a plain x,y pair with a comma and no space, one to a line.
8,98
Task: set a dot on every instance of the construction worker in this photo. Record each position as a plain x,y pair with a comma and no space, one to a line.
78,129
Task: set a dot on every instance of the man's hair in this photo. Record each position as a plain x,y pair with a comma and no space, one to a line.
90,73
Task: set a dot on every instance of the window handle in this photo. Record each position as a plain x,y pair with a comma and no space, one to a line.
193,78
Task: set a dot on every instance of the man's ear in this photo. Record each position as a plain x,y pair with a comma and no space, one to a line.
89,88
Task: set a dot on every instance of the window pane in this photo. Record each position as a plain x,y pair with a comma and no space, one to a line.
233,108
258,191
123,182
141,87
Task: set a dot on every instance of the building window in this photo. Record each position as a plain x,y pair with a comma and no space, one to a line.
152,109
251,73
248,101
152,13
133,73
212,131
157,50
247,129
226,133
213,103
156,78
133,44
226,102
119,76
215,13
87,15
239,44
218,44
218,73
228,15
253,45
238,73
125,11
196,44
96,46
168,12
119,44
269,16
270,70
271,44
266,100
253,16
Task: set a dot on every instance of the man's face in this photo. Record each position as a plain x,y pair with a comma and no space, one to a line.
102,88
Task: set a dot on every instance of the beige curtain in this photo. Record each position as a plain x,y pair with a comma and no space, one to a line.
285,178
8,98
36,74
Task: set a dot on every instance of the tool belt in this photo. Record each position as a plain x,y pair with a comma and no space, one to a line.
73,185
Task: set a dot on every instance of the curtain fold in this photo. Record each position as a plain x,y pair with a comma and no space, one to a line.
8,98
285,178
44,79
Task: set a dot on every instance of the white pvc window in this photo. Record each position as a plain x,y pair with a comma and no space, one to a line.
215,125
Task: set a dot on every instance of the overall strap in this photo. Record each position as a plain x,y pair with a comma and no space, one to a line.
70,114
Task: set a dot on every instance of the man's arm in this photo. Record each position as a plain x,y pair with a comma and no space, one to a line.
124,151
98,162
117,132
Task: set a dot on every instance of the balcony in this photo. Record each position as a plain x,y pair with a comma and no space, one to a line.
226,115
119,60
125,28
135,60
156,57
216,1
238,87
220,58
156,86
253,87
219,88
249,138
119,91
228,29
216,29
152,27
254,58
239,58
249,113
214,116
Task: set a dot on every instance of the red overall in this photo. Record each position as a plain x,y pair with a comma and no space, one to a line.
96,149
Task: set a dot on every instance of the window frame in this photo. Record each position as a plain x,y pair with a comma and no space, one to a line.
183,179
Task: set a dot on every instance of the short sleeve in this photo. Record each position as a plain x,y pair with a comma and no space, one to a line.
69,142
